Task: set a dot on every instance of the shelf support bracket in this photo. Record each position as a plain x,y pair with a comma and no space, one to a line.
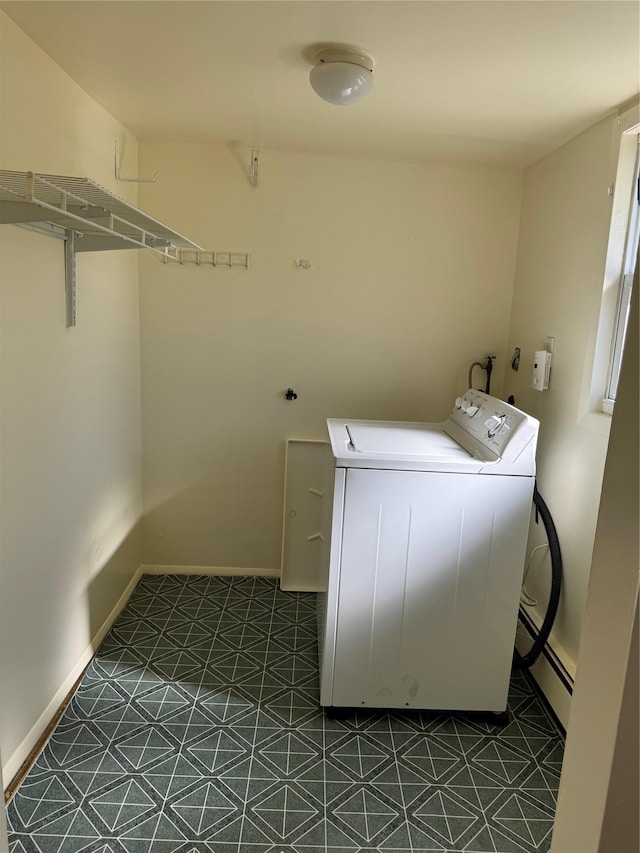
70,276
131,180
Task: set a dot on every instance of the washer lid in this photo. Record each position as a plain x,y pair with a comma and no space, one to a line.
423,440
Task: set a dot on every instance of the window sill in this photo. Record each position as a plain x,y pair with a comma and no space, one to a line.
598,422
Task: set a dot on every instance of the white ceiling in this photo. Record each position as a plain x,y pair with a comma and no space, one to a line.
501,82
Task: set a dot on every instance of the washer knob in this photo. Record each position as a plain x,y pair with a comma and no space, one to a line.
471,410
493,423
459,402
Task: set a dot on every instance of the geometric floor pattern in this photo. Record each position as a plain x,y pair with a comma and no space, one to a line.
197,729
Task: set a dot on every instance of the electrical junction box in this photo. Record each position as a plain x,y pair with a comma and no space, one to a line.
541,370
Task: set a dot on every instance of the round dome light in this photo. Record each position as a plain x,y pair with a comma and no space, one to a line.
342,77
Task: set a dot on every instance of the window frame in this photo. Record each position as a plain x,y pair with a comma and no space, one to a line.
625,130
625,286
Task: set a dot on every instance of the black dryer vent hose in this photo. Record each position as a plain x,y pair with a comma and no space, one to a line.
542,510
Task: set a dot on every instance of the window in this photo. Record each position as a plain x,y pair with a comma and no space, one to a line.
624,291
609,328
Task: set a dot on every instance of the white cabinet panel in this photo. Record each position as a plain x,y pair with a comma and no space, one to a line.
306,529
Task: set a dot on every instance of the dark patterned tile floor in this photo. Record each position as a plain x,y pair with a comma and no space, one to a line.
196,729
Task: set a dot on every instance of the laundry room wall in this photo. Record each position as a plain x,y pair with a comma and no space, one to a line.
566,218
409,279
70,408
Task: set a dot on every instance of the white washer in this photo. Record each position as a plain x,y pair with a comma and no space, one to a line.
429,531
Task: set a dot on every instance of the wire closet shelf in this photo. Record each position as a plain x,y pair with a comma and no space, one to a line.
101,220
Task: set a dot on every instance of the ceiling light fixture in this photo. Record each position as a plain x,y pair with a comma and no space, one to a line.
342,76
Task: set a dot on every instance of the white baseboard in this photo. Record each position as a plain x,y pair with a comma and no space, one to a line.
210,571
552,677
15,761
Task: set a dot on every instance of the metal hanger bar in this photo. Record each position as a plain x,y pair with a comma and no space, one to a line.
211,258
47,228
105,243
16,212
142,239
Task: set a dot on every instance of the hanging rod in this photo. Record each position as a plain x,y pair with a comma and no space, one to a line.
201,257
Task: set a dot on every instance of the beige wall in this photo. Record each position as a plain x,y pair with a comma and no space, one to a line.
410,280
70,426
558,290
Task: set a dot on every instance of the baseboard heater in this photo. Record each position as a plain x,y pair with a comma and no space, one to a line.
552,659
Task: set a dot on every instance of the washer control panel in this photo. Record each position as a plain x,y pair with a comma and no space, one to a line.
495,424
